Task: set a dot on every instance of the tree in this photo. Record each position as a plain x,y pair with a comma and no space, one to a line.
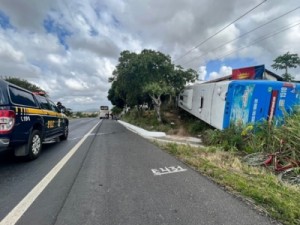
286,61
127,80
155,90
179,79
115,96
79,114
146,76
69,112
25,84
162,77
116,110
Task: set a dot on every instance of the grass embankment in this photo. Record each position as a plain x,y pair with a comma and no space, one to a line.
222,163
280,201
173,122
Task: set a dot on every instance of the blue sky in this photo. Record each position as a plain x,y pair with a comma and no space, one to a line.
70,48
215,65
4,21
62,33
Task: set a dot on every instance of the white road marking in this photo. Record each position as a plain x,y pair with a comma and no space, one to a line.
167,170
15,214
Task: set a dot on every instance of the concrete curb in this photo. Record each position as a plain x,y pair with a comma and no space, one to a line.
141,131
161,136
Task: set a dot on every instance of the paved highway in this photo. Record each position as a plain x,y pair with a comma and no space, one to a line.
105,174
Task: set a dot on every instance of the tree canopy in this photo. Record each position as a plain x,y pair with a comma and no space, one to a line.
147,76
286,61
25,84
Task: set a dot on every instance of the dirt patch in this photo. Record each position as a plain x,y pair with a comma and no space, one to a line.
182,132
179,129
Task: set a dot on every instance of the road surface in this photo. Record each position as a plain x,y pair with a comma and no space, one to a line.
109,175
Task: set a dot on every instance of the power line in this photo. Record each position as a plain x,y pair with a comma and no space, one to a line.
242,35
261,39
210,37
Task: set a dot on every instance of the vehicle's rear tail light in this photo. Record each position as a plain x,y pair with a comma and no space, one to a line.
7,121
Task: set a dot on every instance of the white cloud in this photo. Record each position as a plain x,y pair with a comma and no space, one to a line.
76,85
98,31
26,15
8,53
97,46
224,71
57,59
202,73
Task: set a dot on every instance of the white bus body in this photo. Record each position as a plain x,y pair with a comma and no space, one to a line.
104,112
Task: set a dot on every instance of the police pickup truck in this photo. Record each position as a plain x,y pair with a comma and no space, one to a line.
27,120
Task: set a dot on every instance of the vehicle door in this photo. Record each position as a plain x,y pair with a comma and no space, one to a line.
56,118
47,115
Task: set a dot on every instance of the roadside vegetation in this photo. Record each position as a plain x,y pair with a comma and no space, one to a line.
257,186
174,121
147,78
222,157
261,137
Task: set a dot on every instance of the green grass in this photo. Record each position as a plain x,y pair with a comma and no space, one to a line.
281,202
261,137
148,121
173,122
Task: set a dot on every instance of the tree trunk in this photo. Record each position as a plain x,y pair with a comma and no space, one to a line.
170,100
157,104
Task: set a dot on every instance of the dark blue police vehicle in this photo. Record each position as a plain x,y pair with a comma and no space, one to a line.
27,120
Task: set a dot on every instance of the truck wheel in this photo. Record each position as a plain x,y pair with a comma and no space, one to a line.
66,133
34,145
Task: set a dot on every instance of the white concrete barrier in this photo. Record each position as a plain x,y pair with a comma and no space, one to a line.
142,131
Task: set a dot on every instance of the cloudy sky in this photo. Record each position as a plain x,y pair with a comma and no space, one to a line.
70,47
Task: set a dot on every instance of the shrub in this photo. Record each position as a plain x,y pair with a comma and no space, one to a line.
261,137
229,139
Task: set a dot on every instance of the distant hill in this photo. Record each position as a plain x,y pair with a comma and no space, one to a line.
87,110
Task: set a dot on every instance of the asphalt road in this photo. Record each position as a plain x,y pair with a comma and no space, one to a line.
113,177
